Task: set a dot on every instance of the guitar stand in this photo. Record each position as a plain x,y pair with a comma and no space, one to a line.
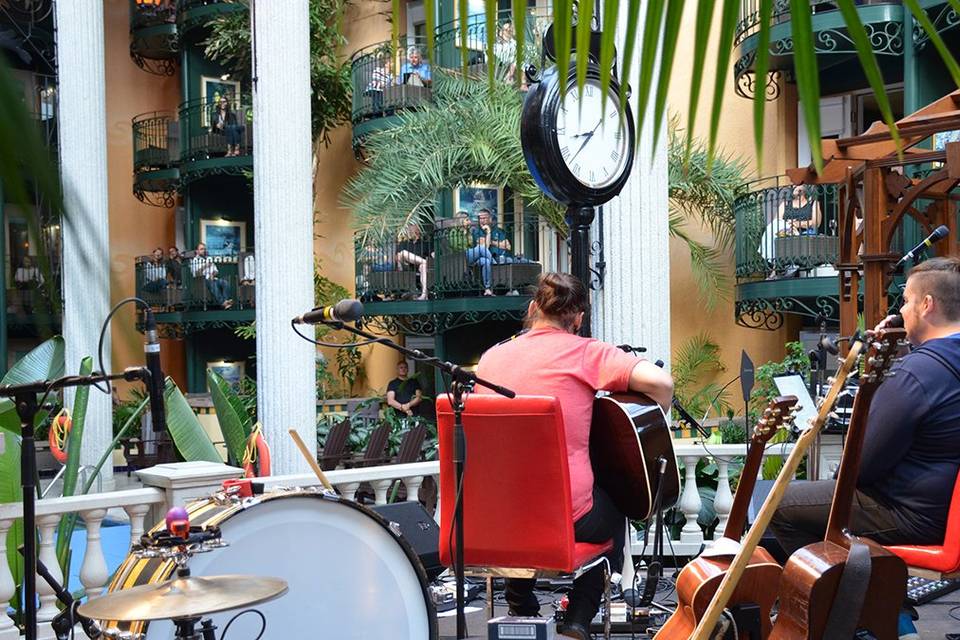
655,566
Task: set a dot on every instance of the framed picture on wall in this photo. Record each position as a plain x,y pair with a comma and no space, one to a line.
223,237
231,371
211,90
475,196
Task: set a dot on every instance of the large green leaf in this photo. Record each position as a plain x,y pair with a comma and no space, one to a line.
185,429
44,362
562,36
629,45
490,28
235,427
671,34
519,9
701,37
652,28
584,18
808,80
728,23
763,63
10,491
607,50
72,472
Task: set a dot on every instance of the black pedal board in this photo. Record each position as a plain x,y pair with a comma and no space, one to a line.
921,591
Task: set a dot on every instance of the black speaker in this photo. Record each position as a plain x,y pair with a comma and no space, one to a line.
420,531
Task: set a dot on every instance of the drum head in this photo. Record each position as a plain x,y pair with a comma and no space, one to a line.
348,575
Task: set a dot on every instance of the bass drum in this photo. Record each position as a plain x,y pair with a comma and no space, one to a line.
350,574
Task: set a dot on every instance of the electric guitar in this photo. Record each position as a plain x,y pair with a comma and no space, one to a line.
708,620
811,577
629,441
700,578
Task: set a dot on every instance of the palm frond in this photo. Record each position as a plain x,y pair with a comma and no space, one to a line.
471,132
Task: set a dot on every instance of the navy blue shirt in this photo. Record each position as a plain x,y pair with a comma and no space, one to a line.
911,454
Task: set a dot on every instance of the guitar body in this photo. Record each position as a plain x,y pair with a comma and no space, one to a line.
699,581
629,434
809,585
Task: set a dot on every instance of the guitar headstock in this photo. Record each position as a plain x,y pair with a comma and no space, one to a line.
881,355
778,411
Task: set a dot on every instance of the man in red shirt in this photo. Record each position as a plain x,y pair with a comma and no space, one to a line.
550,359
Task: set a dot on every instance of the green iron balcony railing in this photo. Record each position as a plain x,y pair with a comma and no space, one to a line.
208,131
749,22
196,13
785,230
156,141
154,41
29,292
192,283
454,260
388,78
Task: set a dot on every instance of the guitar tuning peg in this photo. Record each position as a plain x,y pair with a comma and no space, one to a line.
797,409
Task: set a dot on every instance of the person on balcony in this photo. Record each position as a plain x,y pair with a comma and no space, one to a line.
494,237
550,359
505,51
415,72
414,250
911,453
462,238
155,272
174,266
248,270
380,79
798,215
27,279
203,266
226,123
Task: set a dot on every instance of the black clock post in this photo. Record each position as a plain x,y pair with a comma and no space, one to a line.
579,219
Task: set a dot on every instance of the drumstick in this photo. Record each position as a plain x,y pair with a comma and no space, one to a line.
310,459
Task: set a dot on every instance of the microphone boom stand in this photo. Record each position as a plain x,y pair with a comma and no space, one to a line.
463,381
25,398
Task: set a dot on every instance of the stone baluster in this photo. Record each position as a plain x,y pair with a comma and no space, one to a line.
48,556
723,500
93,572
412,483
7,586
690,503
136,513
380,488
348,490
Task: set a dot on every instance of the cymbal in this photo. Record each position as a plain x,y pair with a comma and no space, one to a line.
183,597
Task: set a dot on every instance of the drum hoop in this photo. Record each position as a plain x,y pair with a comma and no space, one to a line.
133,568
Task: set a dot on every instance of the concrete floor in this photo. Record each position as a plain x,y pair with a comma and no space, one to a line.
934,623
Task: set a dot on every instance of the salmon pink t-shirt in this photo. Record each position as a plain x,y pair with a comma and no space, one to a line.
552,362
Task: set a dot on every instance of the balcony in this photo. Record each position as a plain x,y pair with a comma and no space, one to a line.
449,290
211,145
156,154
382,83
786,246
836,55
154,42
196,13
191,294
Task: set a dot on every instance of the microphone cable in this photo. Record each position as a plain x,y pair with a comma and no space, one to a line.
103,332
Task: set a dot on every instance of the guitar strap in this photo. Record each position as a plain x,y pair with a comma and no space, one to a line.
851,592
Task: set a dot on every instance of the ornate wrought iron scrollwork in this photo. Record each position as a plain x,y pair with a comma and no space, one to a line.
946,19
189,175
758,314
27,11
431,324
166,198
156,66
885,37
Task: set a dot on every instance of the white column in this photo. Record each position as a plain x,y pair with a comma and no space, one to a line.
93,572
633,307
86,240
283,229
690,503
723,499
48,556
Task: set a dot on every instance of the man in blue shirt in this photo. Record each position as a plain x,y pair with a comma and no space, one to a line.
911,453
415,71
489,235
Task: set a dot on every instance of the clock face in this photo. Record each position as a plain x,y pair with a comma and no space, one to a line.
592,142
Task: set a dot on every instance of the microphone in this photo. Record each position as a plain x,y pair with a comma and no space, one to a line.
156,381
939,233
343,311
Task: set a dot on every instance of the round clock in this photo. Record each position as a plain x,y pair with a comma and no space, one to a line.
578,153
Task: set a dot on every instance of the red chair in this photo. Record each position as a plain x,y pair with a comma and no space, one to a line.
518,516
936,561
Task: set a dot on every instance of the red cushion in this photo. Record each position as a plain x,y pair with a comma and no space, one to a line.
584,552
944,558
516,493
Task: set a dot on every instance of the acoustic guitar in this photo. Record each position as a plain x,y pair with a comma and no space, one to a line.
811,577
629,440
707,621
700,578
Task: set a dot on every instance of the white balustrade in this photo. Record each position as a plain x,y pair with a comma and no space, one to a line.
48,556
206,481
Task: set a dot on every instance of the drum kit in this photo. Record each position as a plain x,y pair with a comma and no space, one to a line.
347,573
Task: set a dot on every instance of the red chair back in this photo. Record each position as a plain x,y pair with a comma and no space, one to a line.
942,559
516,486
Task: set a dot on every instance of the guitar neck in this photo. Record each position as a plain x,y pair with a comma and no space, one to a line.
741,501
846,485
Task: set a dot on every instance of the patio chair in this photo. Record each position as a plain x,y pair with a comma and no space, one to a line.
410,445
936,562
335,447
518,513
376,451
